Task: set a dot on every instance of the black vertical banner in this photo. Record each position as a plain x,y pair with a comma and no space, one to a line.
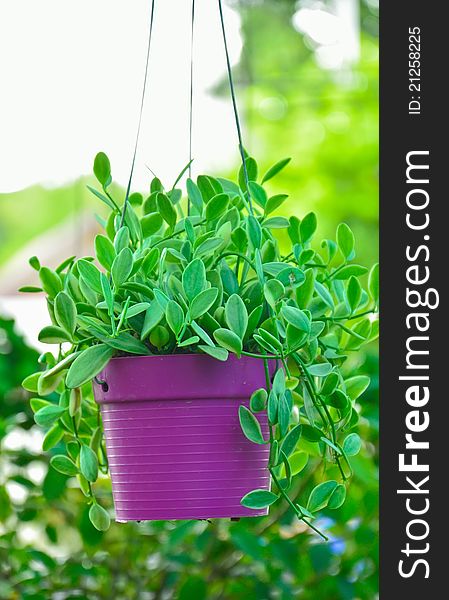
414,486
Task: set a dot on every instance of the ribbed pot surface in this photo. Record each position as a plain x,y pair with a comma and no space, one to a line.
173,437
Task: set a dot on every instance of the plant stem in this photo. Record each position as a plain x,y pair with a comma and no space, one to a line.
349,317
298,512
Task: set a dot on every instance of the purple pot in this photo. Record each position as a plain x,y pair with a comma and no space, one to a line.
173,437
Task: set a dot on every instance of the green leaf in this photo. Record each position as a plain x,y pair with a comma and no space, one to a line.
48,415
291,440
151,224
258,194
279,382
258,400
63,464
51,282
167,210
320,495
298,460
99,517
324,294
202,333
296,317
355,386
208,186
338,497
345,241
236,315
258,499
122,267
159,337
30,289
121,239
250,426
150,261
229,340
135,199
275,202
269,340
88,364
194,279
108,294
311,434
276,223
338,399
175,317
275,169
291,276
194,195
61,365
330,383
273,290
254,320
218,353
88,463
350,270
126,342
373,283
65,312
34,263
307,227
30,382
153,317
352,444
102,169
254,232
354,293
320,369
103,198
272,409
284,411
202,303
208,247
75,401
37,403
90,274
216,206
137,309
189,341
104,251
251,168
52,437
53,335
295,337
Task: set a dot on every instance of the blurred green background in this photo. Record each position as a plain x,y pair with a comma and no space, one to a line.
325,116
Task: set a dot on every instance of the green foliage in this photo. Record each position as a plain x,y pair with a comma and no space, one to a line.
198,288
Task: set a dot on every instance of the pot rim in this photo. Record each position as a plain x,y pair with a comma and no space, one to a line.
178,376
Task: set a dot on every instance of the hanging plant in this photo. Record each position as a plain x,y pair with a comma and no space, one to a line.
216,358
189,325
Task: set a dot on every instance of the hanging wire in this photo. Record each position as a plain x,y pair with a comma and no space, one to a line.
128,189
234,105
192,31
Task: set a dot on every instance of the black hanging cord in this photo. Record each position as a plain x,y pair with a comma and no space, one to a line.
234,105
192,30
128,189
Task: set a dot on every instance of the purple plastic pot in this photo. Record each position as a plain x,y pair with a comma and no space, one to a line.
173,437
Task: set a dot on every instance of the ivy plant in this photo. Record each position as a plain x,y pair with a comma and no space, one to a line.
215,271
